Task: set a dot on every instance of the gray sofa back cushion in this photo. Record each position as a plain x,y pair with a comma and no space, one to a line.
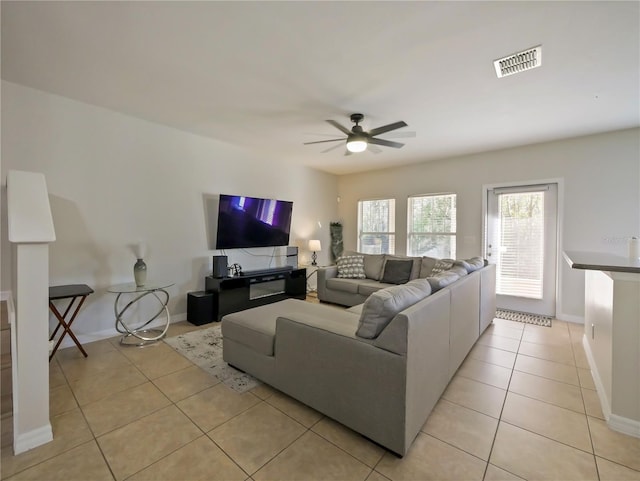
426,266
380,307
475,263
442,279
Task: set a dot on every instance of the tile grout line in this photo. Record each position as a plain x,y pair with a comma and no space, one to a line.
495,435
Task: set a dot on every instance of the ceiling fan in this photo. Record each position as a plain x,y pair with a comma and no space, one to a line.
358,140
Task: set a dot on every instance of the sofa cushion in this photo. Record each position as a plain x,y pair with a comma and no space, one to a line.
475,263
366,287
442,279
415,269
459,269
351,267
397,271
380,307
441,265
256,327
345,285
372,264
422,284
426,266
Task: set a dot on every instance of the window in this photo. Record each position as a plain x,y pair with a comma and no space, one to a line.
377,226
431,226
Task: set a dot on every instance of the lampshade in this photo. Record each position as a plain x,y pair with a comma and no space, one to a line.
356,145
314,245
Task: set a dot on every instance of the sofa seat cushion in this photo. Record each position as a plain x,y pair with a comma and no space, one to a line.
256,327
345,285
366,287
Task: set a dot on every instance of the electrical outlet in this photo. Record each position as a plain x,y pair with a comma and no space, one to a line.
615,240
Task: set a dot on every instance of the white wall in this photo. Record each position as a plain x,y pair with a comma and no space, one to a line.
601,205
114,179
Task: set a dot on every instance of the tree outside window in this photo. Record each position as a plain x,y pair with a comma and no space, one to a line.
432,226
376,226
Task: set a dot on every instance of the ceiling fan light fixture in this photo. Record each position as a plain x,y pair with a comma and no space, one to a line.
357,144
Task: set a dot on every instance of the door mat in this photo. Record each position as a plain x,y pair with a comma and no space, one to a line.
204,348
536,319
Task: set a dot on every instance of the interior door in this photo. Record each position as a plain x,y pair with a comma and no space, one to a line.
521,240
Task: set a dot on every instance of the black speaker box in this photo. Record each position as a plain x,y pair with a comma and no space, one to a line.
220,266
292,257
200,307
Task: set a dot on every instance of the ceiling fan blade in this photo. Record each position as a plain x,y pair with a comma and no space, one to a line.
387,128
322,141
373,148
386,143
341,128
400,135
330,148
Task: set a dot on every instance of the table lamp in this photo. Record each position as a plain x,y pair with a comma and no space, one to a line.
314,246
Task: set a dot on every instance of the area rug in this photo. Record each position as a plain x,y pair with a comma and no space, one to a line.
204,349
524,317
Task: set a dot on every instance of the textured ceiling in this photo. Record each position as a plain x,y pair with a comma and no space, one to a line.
265,75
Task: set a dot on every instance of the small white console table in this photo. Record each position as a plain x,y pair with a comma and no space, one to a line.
612,334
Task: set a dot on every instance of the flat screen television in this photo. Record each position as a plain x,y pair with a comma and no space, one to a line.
252,222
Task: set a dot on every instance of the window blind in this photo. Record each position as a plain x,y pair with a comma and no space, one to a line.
521,249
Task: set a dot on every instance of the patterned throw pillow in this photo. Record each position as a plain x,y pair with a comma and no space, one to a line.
441,266
351,267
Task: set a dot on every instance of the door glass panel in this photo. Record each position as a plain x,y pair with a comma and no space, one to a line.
520,256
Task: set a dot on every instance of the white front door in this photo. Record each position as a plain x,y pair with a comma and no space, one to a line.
521,240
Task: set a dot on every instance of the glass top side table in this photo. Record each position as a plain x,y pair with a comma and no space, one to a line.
141,335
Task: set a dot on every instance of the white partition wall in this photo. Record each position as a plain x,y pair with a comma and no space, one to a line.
30,229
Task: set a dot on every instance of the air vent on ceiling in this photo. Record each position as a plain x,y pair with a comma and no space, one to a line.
519,62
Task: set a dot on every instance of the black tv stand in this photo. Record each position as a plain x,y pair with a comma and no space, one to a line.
232,294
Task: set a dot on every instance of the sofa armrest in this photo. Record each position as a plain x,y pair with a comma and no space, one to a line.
325,273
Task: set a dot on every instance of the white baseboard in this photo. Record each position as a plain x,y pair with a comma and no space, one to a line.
570,318
108,333
624,425
5,295
597,380
32,439
621,424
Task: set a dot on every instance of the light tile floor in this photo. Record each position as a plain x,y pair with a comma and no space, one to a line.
522,406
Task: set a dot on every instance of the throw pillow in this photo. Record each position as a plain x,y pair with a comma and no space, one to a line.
382,306
372,264
441,266
397,272
351,267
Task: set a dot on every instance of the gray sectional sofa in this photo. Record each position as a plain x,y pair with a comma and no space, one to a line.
378,368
